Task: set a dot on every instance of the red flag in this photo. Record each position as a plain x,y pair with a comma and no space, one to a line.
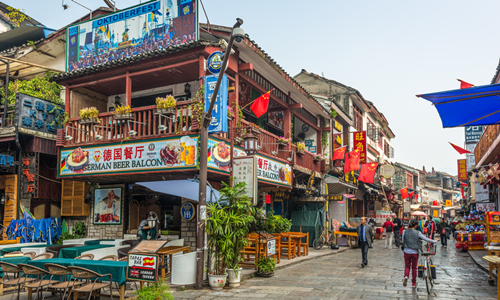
416,196
462,191
459,150
367,172
411,194
465,85
260,105
352,161
339,153
404,193
463,184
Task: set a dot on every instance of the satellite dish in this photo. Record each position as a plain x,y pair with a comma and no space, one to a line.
387,171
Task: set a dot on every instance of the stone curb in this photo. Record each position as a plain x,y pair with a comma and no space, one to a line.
487,270
253,274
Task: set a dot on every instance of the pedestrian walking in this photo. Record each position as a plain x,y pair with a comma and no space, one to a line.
397,227
411,245
365,235
389,229
442,229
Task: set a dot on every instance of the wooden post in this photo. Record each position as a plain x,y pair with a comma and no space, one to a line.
128,89
201,69
67,101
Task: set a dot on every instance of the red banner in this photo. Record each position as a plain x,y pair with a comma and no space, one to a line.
462,169
360,144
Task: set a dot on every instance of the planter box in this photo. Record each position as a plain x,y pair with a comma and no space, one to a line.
282,144
164,111
123,117
238,140
255,130
316,159
301,152
90,121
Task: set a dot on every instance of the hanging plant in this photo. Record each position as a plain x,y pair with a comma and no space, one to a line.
39,87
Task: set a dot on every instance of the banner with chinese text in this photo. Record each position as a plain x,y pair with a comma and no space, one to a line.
462,169
129,157
359,138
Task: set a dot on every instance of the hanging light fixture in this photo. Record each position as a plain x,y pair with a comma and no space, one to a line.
250,142
117,100
187,90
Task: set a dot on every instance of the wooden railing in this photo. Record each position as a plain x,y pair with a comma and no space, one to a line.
306,160
489,135
144,124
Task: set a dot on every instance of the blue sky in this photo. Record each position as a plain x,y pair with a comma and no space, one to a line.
388,50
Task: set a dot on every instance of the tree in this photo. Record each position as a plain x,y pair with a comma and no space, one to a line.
17,16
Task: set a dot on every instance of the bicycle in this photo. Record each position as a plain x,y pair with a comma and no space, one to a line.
426,272
321,240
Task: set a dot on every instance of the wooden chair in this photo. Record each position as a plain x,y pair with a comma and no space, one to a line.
14,252
123,258
17,281
289,246
304,247
109,257
62,272
88,256
41,282
43,256
249,251
87,275
31,255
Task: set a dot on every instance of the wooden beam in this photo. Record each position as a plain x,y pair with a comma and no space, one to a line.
98,81
275,108
262,90
326,129
245,67
295,106
187,62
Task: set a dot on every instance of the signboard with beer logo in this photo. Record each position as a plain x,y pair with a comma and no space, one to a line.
142,267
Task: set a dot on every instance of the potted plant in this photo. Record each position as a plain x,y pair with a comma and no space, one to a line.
227,228
123,112
283,141
89,115
166,105
230,113
154,291
197,108
266,266
317,157
301,147
254,128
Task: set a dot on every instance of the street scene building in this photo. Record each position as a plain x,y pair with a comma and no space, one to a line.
142,140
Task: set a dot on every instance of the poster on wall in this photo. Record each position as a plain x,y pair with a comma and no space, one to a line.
275,118
107,206
129,157
130,32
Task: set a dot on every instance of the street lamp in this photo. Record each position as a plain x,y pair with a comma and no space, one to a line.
250,142
238,35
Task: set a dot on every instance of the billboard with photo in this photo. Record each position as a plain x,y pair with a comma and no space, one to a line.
136,30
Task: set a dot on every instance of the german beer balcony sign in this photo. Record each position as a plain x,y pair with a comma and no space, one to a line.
129,157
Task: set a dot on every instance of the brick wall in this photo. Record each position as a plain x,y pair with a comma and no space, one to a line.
188,228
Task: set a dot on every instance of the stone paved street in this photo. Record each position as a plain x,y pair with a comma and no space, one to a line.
339,277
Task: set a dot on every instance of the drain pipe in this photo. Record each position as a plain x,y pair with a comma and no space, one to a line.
19,171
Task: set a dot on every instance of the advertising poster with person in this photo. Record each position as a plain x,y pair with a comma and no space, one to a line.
107,206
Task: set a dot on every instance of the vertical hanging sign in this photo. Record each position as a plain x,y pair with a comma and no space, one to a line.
245,170
462,169
359,138
29,178
218,123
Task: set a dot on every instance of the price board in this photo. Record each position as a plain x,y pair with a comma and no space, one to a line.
142,267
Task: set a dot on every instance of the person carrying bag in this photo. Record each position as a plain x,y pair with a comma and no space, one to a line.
389,230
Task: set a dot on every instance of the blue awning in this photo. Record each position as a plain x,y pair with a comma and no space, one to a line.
467,107
181,188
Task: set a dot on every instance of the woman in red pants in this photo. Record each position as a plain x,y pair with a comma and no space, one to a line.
411,245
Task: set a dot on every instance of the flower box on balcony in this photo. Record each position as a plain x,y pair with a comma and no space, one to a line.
164,111
316,159
282,144
301,152
123,117
90,121
238,140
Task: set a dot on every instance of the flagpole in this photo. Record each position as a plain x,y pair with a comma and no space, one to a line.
255,99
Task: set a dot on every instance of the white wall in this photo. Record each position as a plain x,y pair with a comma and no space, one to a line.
311,134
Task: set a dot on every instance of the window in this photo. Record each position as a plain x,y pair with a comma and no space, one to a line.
358,118
381,139
372,131
386,148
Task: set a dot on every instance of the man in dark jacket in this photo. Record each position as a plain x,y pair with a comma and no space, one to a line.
365,235
441,228
397,226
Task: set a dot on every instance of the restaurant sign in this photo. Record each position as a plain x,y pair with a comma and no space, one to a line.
268,170
37,114
218,122
462,169
359,138
129,157
142,267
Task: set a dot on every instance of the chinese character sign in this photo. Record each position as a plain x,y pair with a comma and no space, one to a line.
37,114
473,134
359,138
245,170
29,178
129,157
218,123
462,169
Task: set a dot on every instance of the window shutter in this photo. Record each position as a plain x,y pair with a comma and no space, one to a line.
73,198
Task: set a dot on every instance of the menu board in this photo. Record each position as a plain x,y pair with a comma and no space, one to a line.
142,267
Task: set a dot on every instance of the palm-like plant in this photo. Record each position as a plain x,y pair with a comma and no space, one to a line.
228,226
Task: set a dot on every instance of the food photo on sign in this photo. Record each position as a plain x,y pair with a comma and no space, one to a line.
107,206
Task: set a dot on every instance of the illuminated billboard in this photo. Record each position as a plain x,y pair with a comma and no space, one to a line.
136,30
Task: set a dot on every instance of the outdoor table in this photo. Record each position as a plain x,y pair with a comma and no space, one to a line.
97,242
295,236
348,233
14,261
18,248
117,269
494,262
74,252
169,251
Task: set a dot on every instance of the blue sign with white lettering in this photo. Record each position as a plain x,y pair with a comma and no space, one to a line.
187,211
218,123
38,114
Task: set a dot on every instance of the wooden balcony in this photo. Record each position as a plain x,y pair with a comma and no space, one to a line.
111,129
485,142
